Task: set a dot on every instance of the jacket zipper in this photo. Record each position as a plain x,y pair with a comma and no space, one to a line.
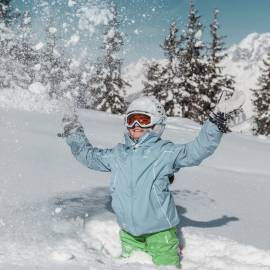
134,148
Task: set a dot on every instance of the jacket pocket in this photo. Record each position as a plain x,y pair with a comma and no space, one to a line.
159,197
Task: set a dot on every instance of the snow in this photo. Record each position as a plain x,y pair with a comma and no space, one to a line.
27,20
38,46
244,61
135,74
52,30
92,16
74,39
37,67
198,34
37,88
56,214
71,3
33,99
111,33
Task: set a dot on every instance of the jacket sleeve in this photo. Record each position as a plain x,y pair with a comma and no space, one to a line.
193,153
92,157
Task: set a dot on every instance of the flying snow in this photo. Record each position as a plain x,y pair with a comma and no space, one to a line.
74,39
39,46
90,17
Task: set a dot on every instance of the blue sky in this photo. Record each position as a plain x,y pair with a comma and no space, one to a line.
238,18
146,22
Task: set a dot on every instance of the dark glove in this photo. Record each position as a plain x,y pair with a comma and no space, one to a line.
171,178
225,108
220,120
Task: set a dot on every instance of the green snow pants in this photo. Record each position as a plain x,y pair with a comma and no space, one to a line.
162,246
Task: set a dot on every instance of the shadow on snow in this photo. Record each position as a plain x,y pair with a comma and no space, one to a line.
97,201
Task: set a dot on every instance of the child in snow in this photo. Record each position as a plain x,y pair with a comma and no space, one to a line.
141,168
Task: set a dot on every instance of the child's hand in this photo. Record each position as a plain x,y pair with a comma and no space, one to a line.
225,108
71,125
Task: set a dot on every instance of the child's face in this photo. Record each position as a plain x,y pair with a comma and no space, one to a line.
136,132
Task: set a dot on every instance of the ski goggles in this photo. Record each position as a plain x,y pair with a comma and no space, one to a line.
144,120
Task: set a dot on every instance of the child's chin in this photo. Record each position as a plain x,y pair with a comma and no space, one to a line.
137,136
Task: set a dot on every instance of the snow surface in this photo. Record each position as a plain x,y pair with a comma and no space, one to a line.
56,214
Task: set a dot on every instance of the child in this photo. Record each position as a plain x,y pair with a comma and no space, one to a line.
141,168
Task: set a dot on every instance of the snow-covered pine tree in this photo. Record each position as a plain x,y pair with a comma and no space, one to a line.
261,100
6,13
217,81
22,51
6,34
195,102
52,64
12,72
108,87
171,44
162,81
26,54
6,41
158,83
75,86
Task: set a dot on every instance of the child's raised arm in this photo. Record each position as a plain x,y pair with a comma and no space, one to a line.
92,157
193,153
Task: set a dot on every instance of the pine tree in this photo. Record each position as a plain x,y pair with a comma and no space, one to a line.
12,71
6,33
26,53
171,44
51,73
6,13
75,86
108,87
159,83
163,80
195,103
261,100
6,42
217,82
23,51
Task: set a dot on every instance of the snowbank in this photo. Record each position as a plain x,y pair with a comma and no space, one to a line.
98,246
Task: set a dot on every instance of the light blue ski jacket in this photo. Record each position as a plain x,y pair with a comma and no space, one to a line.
141,198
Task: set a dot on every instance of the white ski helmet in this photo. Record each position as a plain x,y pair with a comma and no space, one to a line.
151,106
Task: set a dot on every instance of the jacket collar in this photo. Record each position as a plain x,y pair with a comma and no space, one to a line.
145,140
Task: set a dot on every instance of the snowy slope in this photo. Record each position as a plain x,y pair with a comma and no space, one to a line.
55,213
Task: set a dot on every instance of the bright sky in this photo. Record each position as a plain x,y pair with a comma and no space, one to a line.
146,22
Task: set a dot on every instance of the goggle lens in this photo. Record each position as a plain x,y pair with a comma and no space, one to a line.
142,119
